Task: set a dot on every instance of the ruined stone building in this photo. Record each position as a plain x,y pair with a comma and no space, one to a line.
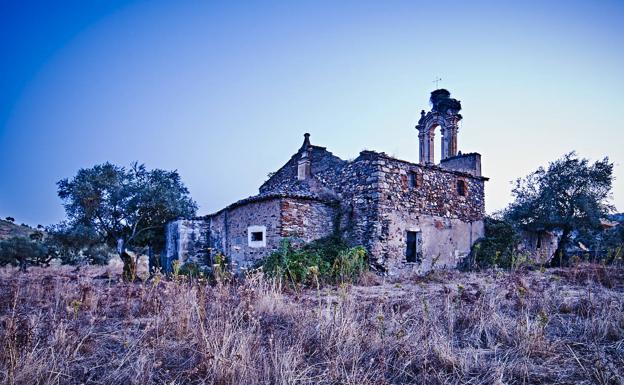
409,216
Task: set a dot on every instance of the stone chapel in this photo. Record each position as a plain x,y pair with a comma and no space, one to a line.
408,216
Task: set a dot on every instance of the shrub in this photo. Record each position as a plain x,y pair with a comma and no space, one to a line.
612,246
497,247
190,269
349,264
77,244
22,252
327,260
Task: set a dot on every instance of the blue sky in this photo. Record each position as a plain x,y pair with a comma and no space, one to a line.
223,91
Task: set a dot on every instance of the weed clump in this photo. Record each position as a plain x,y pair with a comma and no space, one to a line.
328,260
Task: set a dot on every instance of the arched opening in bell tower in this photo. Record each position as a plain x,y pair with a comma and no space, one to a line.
436,147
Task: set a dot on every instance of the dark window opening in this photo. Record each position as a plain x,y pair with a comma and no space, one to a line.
412,179
461,188
413,252
257,236
539,242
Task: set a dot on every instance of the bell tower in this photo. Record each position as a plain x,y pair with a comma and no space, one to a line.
444,114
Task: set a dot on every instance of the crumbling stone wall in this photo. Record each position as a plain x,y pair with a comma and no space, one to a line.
307,220
187,240
324,165
540,246
449,222
229,235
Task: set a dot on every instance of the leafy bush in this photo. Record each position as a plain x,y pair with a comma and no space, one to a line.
611,244
77,244
22,252
328,260
497,247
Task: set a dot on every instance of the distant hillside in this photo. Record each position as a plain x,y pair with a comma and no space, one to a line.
10,229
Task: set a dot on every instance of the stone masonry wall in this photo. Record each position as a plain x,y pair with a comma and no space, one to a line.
436,192
303,219
449,222
187,241
307,220
229,231
284,180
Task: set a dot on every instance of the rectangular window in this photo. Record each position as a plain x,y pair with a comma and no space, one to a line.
461,188
256,236
413,252
412,179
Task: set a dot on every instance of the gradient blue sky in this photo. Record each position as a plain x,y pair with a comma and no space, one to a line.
223,91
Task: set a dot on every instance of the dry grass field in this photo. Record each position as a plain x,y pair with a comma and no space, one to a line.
559,326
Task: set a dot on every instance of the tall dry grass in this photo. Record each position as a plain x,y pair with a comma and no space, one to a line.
561,326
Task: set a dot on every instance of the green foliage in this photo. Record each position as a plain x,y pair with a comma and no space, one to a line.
349,264
23,252
220,271
570,196
190,269
497,247
604,245
77,244
123,206
613,244
328,260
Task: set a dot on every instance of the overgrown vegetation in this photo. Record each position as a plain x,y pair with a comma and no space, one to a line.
328,260
561,326
24,252
569,199
497,248
121,208
571,196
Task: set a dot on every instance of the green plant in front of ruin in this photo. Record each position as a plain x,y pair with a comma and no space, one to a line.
497,247
220,270
328,260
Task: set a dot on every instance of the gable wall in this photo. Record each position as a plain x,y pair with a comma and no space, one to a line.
324,165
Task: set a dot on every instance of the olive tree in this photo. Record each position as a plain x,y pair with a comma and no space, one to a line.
570,195
125,207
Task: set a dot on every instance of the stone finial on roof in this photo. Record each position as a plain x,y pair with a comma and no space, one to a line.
306,141
303,167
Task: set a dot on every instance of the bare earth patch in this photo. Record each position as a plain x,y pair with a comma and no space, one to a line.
561,326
